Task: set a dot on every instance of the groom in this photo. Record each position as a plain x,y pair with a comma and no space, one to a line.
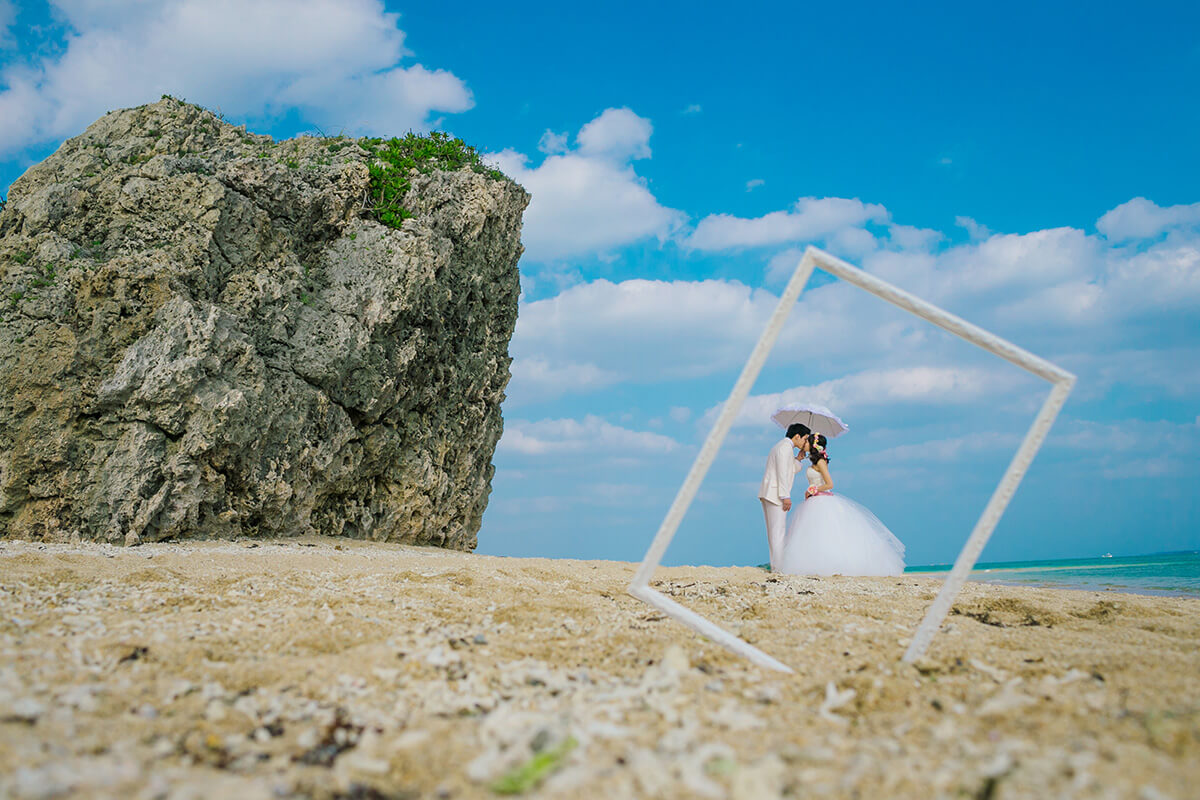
776,490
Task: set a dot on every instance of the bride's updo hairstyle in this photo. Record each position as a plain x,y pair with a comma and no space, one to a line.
816,448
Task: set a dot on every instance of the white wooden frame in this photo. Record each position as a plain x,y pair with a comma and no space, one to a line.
1060,380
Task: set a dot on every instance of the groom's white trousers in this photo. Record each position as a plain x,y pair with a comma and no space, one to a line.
776,528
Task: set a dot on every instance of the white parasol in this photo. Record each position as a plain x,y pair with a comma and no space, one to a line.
819,419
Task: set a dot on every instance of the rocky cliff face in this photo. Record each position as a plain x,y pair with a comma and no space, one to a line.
203,334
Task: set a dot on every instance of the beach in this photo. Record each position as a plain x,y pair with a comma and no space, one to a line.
337,668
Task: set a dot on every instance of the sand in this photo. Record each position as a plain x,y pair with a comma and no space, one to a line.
313,668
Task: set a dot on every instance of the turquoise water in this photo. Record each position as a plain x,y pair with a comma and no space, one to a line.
1160,573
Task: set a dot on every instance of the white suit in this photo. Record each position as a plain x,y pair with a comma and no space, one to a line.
777,487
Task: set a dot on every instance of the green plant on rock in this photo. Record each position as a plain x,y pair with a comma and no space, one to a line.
310,284
47,276
529,775
22,257
393,159
3,203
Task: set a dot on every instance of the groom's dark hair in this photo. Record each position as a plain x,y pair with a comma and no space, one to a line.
797,429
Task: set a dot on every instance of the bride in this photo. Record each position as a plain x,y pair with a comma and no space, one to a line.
833,535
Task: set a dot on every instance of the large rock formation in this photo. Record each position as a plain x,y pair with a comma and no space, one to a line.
203,334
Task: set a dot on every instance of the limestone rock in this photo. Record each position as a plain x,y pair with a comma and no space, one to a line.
203,334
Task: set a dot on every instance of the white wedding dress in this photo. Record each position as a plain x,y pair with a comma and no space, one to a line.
831,535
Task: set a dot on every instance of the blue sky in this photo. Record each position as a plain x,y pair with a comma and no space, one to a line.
1033,169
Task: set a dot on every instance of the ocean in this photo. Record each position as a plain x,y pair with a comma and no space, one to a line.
1160,573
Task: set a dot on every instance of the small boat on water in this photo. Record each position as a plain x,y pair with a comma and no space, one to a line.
1107,555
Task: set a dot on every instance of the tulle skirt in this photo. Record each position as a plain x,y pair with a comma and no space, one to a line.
833,535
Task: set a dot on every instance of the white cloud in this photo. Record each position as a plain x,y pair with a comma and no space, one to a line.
1143,219
943,386
1008,261
591,435
1055,279
1164,276
1098,437
8,15
1112,287
811,219
1034,283
754,183
1039,281
852,242
951,449
973,228
650,331
1060,292
536,379
1053,291
552,142
680,413
694,108
337,61
908,237
623,496
617,133
1149,438
1168,370
645,330
589,201
783,265
1139,469
1133,449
